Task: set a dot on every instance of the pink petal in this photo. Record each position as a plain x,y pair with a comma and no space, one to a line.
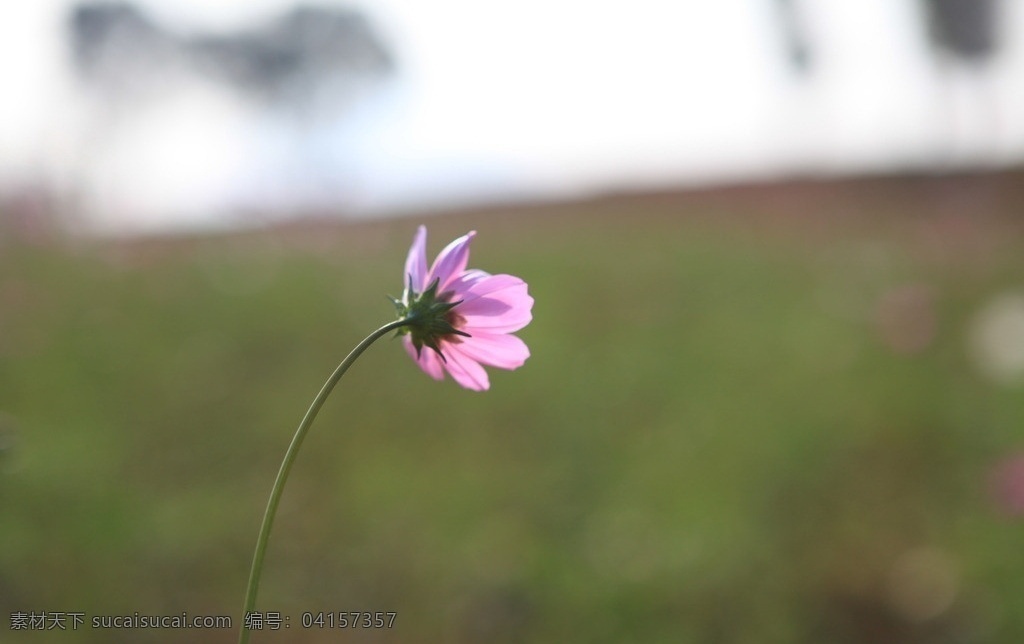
451,262
460,284
495,349
493,283
416,262
464,370
499,304
428,360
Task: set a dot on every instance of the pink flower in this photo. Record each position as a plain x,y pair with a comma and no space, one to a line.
466,317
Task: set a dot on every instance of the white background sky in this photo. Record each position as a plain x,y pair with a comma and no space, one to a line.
513,100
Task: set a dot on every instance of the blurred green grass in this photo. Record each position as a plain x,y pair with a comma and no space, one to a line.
715,440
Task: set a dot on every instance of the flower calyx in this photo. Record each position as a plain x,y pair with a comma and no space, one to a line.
428,317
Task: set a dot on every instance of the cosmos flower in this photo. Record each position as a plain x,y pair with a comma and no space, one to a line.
463,318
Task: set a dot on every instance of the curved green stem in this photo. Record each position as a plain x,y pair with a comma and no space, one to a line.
286,466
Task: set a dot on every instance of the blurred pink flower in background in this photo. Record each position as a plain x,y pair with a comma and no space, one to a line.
1007,485
474,315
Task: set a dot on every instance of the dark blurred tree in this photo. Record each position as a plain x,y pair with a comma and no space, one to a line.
965,36
965,29
797,50
305,55
295,56
304,70
117,48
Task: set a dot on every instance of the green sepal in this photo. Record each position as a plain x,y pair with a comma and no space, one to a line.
428,317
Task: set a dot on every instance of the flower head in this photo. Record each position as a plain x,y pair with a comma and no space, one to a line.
464,317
